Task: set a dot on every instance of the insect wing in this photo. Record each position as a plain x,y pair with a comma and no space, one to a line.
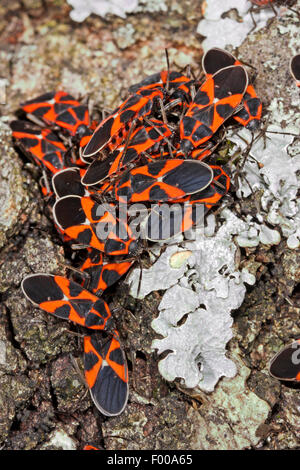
102,275
143,139
163,180
68,183
41,144
214,102
216,59
115,127
67,300
106,373
285,365
94,225
166,221
249,116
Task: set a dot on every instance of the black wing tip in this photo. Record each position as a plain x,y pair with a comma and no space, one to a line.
26,284
107,411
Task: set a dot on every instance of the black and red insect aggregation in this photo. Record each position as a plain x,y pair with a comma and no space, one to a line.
105,364
150,149
144,138
114,129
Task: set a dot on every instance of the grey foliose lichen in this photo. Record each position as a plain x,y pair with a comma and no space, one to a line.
203,285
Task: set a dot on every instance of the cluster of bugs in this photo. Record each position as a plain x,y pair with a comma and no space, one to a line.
151,149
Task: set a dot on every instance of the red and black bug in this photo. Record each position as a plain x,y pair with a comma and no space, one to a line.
178,85
144,138
215,101
197,154
91,193
163,180
212,194
100,274
42,145
67,300
106,373
64,114
249,116
94,225
160,79
144,96
295,68
49,106
285,365
68,183
166,221
105,364
60,109
112,130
